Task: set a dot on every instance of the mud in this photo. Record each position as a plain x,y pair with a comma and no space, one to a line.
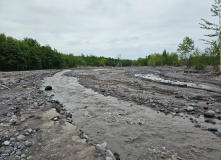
141,118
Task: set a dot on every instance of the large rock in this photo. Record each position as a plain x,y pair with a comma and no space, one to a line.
48,88
209,114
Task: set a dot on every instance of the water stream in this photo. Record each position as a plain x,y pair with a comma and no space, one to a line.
135,132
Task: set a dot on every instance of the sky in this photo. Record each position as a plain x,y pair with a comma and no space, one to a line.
109,28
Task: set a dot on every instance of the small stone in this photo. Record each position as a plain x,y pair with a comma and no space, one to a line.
23,147
151,100
9,114
117,156
13,121
6,143
24,86
23,119
206,107
209,113
217,111
28,144
18,152
12,139
18,122
35,104
213,122
6,151
21,138
197,126
5,155
213,129
48,88
23,156
24,98
189,109
218,134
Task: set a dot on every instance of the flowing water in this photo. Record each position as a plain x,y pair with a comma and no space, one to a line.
135,132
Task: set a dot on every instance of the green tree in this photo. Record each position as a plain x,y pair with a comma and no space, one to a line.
155,59
213,27
186,48
165,57
198,60
173,58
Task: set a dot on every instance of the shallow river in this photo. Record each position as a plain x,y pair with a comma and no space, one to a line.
135,132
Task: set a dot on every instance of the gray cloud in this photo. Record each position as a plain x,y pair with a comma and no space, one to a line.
106,27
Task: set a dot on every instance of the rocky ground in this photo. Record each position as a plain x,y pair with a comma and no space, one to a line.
32,126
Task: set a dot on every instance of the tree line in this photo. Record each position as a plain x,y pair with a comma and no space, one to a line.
28,54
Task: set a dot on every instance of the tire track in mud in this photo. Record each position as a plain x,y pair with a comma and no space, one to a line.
134,131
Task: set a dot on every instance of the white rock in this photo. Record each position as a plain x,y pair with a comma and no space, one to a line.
6,143
108,158
100,148
110,154
189,109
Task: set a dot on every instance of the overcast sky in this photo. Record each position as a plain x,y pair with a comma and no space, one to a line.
132,28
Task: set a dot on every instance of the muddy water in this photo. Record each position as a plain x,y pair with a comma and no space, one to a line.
135,132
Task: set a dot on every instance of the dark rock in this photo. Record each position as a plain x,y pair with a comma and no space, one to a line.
68,114
197,126
206,107
31,116
213,130
117,156
48,88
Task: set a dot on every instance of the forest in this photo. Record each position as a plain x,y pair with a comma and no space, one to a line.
28,54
